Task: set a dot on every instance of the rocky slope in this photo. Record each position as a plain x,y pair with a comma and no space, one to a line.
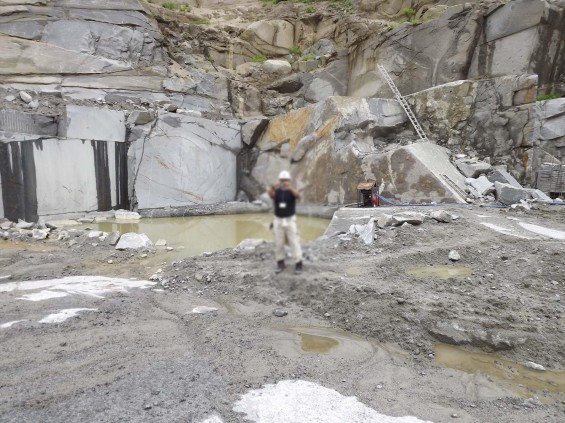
151,104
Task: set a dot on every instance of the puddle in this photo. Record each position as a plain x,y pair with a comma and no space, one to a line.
198,234
321,340
317,343
440,272
523,380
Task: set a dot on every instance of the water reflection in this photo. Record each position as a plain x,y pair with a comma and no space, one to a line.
211,233
521,379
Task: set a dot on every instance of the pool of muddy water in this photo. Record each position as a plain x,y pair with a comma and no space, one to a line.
519,378
197,234
440,272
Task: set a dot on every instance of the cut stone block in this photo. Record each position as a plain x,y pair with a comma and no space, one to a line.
92,123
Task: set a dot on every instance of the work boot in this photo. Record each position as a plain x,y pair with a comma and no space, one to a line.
280,266
298,268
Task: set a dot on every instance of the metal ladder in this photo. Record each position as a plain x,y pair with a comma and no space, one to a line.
404,104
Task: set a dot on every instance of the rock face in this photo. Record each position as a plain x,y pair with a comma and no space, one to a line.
274,37
491,117
524,36
34,181
185,160
323,145
418,57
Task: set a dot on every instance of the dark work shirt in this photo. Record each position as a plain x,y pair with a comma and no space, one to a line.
285,203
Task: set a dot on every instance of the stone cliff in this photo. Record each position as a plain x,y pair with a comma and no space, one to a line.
143,105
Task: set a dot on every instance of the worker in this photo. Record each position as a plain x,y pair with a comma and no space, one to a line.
284,197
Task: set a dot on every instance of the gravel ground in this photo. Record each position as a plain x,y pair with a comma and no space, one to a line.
143,355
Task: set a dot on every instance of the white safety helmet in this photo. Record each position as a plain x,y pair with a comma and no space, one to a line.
285,174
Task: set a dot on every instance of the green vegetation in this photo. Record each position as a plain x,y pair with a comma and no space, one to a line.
343,5
310,9
260,58
550,96
409,13
295,50
176,6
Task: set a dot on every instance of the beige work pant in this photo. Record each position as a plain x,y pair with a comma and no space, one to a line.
286,232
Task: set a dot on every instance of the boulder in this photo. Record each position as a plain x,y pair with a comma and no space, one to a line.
412,218
541,196
93,123
472,168
507,194
26,97
417,173
277,67
441,216
39,234
133,241
22,224
94,234
480,186
384,221
112,238
454,255
502,176
290,84
365,233
161,243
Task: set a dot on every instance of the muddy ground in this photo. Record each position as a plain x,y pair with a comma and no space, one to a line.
367,321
